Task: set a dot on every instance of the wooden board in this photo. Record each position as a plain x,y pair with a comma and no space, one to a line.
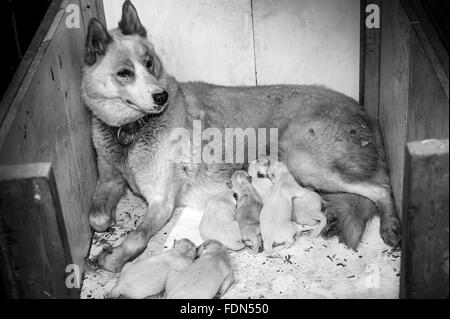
428,112
413,88
370,64
198,40
425,259
48,123
394,89
22,75
308,42
33,241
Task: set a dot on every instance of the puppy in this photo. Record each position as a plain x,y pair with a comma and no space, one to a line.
257,170
219,223
307,210
147,277
249,207
211,275
277,229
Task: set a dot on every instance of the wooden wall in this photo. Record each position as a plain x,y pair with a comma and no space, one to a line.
413,89
407,91
46,121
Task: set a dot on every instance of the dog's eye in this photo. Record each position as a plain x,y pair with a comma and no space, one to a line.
149,63
125,73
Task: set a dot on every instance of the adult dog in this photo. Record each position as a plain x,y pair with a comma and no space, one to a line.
325,138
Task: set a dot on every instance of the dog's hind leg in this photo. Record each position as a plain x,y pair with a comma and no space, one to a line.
342,154
110,189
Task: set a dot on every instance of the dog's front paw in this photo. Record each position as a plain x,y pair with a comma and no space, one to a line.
391,230
101,217
111,259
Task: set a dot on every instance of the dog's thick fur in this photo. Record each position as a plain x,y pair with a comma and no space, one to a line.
325,138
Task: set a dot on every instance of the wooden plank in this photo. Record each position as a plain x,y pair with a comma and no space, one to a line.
100,11
48,123
308,42
33,240
429,38
425,259
394,90
92,9
413,97
198,40
370,69
428,112
25,70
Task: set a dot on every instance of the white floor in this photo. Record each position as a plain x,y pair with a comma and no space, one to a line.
312,268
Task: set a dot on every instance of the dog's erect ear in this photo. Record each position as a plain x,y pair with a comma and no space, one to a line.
130,23
97,40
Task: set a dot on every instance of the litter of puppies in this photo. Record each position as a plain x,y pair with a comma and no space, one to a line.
259,211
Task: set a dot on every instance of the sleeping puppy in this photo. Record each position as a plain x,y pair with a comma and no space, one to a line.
277,229
249,207
219,223
211,275
307,210
257,170
147,277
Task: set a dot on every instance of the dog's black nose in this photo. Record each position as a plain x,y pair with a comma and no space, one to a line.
160,98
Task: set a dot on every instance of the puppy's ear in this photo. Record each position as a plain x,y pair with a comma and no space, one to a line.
97,40
130,23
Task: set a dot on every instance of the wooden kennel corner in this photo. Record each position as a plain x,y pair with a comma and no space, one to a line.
44,121
47,163
405,88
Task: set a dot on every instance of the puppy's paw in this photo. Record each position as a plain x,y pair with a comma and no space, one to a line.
251,236
391,230
254,244
101,217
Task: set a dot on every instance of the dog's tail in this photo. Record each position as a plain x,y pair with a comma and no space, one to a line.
347,217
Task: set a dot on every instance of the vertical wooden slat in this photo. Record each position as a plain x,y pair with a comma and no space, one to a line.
92,9
35,249
394,89
370,68
425,263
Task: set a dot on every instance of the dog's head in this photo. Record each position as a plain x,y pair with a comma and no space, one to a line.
123,78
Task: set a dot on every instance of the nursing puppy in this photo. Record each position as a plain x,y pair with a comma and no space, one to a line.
147,277
249,207
219,223
257,170
211,275
307,210
277,229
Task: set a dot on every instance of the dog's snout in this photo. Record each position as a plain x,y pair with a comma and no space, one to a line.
160,98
